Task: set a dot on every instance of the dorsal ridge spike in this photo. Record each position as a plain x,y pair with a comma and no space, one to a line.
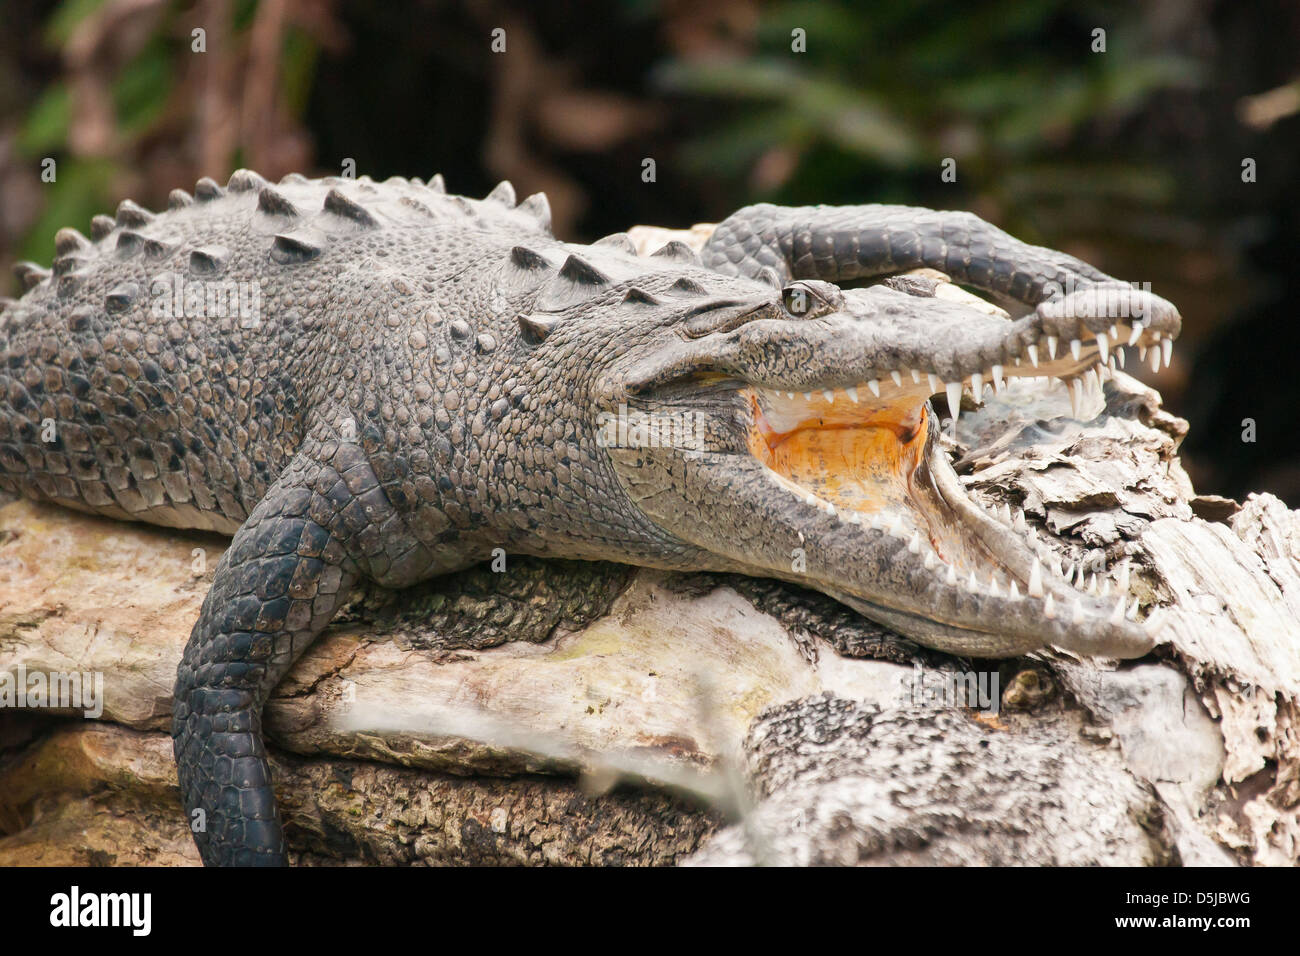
688,286
535,328
101,226
129,242
132,214
617,240
639,296
503,193
245,181
272,202
179,199
526,258
341,205
68,241
206,190
437,183
159,247
578,269
539,208
209,260
30,274
288,248
678,251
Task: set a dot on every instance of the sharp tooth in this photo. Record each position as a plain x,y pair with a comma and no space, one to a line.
1078,611
1114,332
875,387
1013,592
789,395
874,522
929,560
1133,611
1117,616
916,376
935,384
1123,580
1076,395
1006,513
1135,334
993,586
1036,580
915,544
828,395
852,393
972,585
977,386
898,379
1076,348
1020,524
1142,353
1155,359
1032,351
954,400
951,577
1167,347
853,518
998,384
1119,356
1049,608
1103,345
830,509
807,396
1052,340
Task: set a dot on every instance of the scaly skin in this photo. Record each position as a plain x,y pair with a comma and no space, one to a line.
427,378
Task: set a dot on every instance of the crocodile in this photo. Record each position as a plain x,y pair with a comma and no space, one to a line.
366,381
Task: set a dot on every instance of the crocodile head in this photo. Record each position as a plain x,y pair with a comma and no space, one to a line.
790,433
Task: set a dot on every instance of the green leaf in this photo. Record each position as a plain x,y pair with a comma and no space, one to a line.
47,123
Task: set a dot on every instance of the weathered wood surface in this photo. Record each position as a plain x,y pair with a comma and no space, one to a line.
591,714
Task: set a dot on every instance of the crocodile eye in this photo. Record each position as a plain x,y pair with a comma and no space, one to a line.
802,301
808,300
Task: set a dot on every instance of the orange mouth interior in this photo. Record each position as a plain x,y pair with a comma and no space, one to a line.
862,464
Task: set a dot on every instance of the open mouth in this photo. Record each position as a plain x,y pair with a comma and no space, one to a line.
866,455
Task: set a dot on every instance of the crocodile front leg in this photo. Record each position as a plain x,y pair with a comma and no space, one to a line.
844,243
289,567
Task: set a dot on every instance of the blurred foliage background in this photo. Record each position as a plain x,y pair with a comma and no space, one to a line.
1130,158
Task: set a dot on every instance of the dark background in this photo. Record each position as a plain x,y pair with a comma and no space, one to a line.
1130,158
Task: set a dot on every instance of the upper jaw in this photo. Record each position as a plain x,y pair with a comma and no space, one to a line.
885,343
